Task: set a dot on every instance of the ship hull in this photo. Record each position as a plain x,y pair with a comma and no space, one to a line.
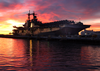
68,30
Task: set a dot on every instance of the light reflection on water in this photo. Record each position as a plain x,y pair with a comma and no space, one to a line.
35,55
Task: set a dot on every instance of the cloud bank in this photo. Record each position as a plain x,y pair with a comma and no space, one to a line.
86,11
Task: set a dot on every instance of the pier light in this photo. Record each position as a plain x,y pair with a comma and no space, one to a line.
31,25
85,33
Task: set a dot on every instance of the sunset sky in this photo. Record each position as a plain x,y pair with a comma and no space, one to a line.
14,12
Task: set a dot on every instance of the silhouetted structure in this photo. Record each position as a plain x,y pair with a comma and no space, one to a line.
56,28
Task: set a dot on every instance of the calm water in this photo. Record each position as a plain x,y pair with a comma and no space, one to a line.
34,55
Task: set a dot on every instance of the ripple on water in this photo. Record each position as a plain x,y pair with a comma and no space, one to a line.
32,55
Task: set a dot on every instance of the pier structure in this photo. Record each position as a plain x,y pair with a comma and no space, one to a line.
72,39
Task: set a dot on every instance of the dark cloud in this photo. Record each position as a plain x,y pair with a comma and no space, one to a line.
69,8
9,4
60,7
57,9
93,4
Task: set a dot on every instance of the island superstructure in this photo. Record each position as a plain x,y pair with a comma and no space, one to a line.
34,27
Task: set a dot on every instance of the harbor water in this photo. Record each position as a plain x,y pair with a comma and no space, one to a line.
43,55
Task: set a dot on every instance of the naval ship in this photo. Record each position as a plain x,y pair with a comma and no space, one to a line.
34,27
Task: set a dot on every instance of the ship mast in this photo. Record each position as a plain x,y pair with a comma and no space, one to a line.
29,15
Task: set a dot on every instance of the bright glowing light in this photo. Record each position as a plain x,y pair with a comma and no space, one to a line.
97,21
13,22
91,21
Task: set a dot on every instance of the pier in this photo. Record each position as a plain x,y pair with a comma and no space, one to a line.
79,39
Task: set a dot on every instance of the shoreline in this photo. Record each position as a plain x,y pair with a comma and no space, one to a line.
92,40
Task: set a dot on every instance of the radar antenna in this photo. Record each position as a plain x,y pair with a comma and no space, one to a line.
29,15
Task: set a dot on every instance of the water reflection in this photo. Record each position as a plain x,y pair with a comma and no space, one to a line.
40,56
12,54
31,54
90,56
35,55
